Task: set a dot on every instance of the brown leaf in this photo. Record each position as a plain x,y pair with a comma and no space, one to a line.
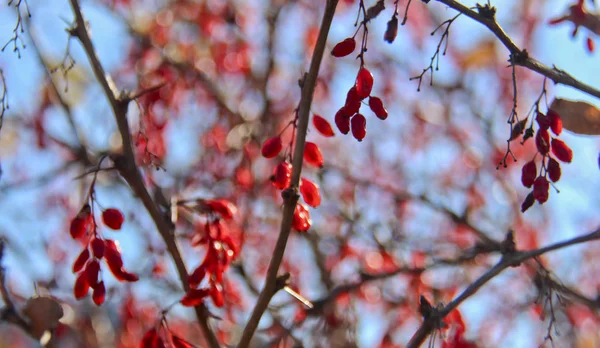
577,116
43,313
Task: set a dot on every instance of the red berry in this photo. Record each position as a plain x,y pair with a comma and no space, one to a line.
113,218
97,246
590,44
197,276
81,260
282,175
194,297
92,269
553,170
216,294
364,83
555,122
528,202
359,127
272,147
528,174
310,193
322,126
542,141
562,151
541,188
344,48
353,102
223,207
112,255
99,294
301,220
81,288
376,106
342,120
542,121
179,342
80,224
312,155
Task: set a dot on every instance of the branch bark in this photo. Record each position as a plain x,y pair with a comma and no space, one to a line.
518,56
290,195
125,163
508,260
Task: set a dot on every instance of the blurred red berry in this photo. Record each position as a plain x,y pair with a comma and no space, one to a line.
377,107
301,220
99,294
528,174
282,175
310,192
359,127
342,120
542,141
81,260
113,218
272,147
554,122
561,151
322,126
541,188
312,154
364,83
553,170
344,48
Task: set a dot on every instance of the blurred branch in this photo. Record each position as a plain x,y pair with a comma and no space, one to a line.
486,16
128,168
9,312
509,259
290,195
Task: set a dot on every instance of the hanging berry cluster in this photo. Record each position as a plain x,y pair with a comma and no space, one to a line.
87,264
161,336
282,173
221,251
550,167
348,116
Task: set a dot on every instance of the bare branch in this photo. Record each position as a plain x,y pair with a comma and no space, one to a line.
290,196
487,19
128,169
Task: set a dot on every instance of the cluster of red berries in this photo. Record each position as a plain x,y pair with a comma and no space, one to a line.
161,336
87,264
348,116
550,167
578,16
282,173
221,250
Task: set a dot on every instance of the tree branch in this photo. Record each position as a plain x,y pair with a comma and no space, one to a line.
290,195
521,57
127,167
508,260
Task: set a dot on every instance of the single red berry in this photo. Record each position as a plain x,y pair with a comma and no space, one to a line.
272,147
194,297
553,170
112,255
542,141
364,83
322,126
301,220
113,218
80,224
528,174
555,122
151,339
92,270
562,151
528,202
359,127
197,276
342,120
344,48
312,154
223,207
97,246
541,188
282,175
99,294
81,288
377,107
310,192
353,102
216,294
590,44
542,121
81,260
352,96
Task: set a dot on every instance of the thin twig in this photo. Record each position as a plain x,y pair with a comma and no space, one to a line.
508,260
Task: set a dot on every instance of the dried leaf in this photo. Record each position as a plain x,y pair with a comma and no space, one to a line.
44,313
577,116
482,55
